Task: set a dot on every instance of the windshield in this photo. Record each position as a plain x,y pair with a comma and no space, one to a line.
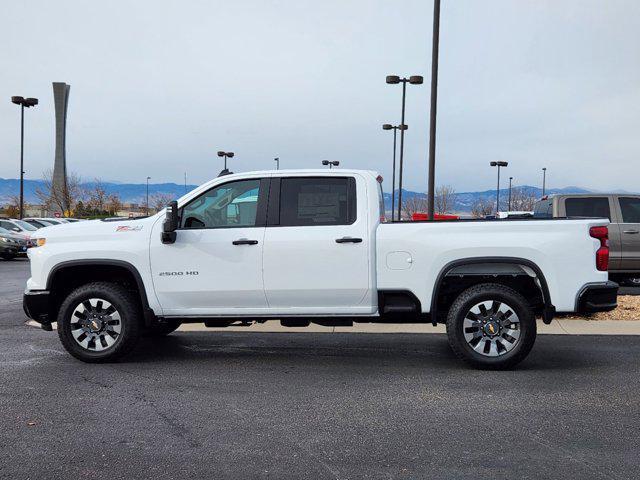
25,225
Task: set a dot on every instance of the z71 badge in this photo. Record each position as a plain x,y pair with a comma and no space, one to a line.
128,228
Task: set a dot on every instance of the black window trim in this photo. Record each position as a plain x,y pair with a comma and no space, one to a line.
261,212
273,212
620,197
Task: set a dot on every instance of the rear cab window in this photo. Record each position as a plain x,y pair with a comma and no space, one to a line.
587,207
311,201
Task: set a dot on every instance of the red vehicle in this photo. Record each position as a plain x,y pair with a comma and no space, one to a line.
436,216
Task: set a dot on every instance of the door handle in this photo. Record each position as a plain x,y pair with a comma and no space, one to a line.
245,241
348,240
631,231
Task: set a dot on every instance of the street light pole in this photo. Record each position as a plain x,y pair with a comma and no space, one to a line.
498,164
21,161
225,155
395,129
331,164
23,102
414,80
435,48
510,180
277,160
148,178
544,180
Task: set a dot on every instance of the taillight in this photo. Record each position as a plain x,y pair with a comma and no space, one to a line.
602,254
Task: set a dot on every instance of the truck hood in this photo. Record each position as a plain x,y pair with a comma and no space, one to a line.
98,230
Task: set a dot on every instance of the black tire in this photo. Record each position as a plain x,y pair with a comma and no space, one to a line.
8,256
498,293
161,329
130,321
633,280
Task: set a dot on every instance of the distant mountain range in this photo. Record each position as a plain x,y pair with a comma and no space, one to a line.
465,200
136,192
128,192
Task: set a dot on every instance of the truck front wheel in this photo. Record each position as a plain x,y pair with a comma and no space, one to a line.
99,322
491,326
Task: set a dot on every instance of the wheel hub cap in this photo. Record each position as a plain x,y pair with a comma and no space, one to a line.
95,324
491,328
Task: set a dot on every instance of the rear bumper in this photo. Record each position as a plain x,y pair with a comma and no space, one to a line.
598,297
36,306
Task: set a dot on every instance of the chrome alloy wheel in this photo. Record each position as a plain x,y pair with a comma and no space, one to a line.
95,324
491,328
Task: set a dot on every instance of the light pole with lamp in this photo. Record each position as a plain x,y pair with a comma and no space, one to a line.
395,129
510,180
331,164
23,102
277,160
498,164
148,178
393,80
225,155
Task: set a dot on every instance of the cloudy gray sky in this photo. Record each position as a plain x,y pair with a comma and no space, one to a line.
157,87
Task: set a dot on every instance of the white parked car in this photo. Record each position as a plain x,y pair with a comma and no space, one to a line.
311,246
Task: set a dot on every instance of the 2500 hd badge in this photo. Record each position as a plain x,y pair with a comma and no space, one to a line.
178,274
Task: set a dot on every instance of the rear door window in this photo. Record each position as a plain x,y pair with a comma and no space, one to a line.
630,208
317,201
587,207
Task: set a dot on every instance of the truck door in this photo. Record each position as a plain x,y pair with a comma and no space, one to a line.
630,233
215,265
317,246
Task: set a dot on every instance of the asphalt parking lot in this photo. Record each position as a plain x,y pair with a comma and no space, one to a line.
312,405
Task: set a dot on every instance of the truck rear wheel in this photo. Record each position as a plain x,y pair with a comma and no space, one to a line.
99,322
491,326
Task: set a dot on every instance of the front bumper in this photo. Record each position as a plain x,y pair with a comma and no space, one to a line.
37,306
598,297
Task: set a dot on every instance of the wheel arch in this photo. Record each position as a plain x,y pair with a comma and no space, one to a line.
102,269
548,310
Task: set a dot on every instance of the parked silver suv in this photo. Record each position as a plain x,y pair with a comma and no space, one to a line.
624,231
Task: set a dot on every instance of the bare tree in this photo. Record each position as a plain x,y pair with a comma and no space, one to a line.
445,199
521,200
481,208
113,204
54,198
12,208
97,196
159,200
413,205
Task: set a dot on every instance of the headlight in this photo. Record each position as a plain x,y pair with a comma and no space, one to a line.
5,240
38,242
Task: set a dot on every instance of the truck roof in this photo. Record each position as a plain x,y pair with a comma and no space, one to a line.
594,194
308,171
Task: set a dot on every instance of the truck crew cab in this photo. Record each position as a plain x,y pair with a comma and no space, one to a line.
312,246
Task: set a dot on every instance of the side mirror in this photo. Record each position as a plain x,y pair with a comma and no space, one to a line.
170,224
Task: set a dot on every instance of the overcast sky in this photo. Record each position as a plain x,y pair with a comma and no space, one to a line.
157,87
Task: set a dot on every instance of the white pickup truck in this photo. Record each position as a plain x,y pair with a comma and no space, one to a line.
312,246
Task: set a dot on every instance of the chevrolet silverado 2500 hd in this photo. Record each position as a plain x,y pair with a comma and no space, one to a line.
311,246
